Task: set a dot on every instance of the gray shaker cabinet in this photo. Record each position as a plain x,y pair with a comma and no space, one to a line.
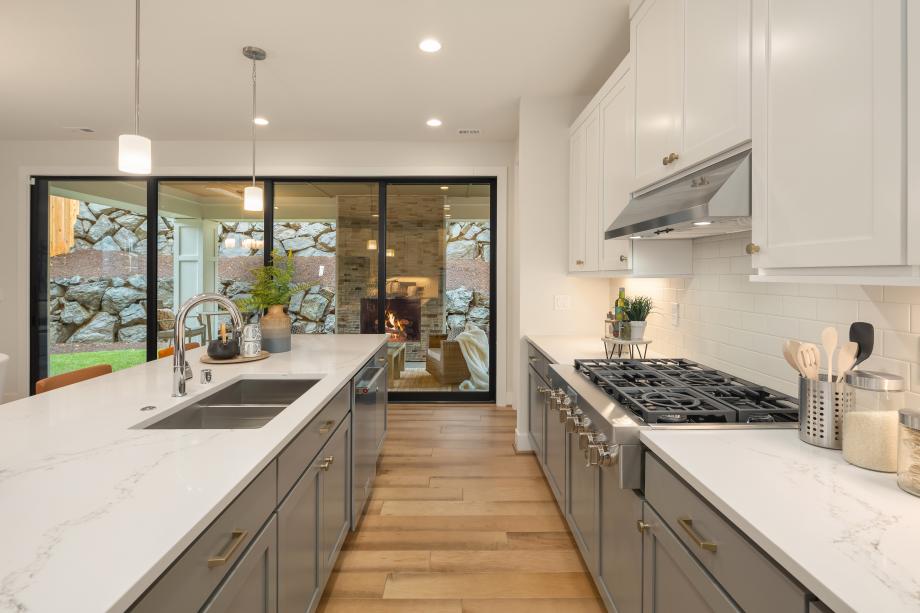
335,495
672,579
581,504
536,412
298,568
619,572
251,587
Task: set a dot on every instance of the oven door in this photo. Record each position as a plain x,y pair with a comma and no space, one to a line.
619,562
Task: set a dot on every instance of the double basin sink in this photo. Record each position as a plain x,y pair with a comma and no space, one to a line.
247,403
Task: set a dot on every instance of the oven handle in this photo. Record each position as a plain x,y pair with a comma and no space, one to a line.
364,388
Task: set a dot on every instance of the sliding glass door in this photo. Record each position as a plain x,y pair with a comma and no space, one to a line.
114,258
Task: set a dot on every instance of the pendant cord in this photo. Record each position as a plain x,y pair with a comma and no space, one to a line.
137,65
252,123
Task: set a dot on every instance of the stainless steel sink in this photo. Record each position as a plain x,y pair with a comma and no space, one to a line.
249,403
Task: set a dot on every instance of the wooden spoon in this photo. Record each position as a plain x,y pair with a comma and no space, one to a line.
846,359
808,360
829,340
790,349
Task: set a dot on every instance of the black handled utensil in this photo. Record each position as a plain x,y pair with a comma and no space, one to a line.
863,334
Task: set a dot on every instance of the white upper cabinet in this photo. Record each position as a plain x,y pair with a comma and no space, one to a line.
829,123
691,65
617,115
657,34
584,189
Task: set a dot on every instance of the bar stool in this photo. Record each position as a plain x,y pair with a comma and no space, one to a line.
165,352
52,383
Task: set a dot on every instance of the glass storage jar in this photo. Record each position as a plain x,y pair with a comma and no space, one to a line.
870,425
909,451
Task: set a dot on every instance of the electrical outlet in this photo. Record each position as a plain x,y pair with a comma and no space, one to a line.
562,302
675,313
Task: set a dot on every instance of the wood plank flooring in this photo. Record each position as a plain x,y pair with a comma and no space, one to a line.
459,523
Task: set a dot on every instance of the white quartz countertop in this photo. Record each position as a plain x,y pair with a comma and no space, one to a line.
566,349
92,511
849,535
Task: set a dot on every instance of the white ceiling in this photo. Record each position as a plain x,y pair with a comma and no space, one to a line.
336,69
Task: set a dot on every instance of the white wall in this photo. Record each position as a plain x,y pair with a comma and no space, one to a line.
19,160
539,226
732,324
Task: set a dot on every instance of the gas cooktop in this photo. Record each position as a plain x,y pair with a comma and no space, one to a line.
678,391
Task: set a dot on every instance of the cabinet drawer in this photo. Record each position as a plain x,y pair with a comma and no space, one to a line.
538,362
295,458
749,576
188,583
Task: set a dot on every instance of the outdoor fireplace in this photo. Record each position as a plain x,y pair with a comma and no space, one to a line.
402,322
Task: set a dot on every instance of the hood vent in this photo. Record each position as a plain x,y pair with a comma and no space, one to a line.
713,200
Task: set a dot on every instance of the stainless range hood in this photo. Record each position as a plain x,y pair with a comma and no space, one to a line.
713,200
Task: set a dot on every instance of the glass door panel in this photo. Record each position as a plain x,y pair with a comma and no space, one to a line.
97,274
438,287
206,242
329,227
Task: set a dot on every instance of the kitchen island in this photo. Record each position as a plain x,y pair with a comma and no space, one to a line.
94,509
849,535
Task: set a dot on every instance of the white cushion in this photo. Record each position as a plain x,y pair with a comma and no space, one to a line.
435,354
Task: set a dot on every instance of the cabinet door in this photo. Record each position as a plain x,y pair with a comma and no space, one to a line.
618,151
620,561
584,194
251,586
298,559
581,503
555,454
536,412
335,510
657,36
828,126
717,78
672,579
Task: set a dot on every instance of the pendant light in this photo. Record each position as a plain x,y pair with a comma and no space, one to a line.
253,199
133,149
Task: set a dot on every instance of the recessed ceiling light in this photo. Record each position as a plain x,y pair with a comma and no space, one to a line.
445,187
702,223
434,122
430,45
260,121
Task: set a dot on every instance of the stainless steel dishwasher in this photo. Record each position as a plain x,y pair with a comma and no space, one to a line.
369,421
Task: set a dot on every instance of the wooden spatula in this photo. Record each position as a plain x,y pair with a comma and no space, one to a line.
829,340
790,349
846,359
808,359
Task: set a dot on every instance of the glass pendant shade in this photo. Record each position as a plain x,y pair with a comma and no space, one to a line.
134,154
252,198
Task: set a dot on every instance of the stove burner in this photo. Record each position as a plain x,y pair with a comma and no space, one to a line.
671,400
702,377
761,418
673,419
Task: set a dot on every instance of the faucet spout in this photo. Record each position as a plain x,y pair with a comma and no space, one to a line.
181,370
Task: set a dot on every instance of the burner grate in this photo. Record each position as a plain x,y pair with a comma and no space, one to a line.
674,404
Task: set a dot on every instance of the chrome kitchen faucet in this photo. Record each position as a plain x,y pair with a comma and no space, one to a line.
181,369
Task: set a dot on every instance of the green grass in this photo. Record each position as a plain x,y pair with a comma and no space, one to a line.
122,358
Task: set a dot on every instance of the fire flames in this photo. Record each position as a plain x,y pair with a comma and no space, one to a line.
395,327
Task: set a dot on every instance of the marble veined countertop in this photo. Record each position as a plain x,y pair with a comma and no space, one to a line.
92,511
849,535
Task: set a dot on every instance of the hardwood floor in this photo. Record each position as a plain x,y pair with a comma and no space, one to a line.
459,523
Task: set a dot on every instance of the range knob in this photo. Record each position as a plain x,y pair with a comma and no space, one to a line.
574,420
601,454
588,437
542,389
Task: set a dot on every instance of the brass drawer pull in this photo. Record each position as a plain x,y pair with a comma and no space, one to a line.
326,427
687,525
642,526
238,537
327,462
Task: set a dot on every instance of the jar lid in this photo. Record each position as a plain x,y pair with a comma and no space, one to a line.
910,418
875,381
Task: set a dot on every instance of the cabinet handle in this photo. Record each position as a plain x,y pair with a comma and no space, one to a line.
327,462
623,258
579,262
238,536
326,427
687,524
664,161
642,526
670,159
752,248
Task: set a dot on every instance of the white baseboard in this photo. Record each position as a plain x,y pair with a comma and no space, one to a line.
522,442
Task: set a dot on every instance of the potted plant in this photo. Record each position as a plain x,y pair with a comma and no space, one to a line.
272,290
637,311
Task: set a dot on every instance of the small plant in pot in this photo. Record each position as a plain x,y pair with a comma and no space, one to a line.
272,291
637,311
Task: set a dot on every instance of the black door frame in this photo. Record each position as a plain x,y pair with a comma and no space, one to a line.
38,261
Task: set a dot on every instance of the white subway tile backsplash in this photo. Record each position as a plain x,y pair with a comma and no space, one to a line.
734,324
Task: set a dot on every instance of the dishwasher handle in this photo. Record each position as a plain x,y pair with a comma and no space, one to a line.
364,387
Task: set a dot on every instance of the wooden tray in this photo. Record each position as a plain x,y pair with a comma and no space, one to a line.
237,360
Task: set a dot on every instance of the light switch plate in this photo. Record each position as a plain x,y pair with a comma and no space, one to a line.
562,302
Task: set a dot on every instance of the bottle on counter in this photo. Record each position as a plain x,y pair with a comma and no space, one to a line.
870,425
909,451
619,313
